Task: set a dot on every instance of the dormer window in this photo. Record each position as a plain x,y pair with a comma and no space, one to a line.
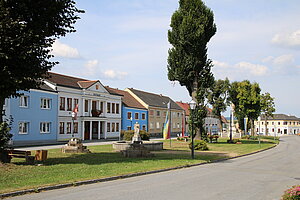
97,87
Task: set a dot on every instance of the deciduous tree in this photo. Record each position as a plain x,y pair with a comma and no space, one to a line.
192,26
267,107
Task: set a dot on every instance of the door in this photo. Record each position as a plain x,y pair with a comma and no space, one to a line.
95,130
86,130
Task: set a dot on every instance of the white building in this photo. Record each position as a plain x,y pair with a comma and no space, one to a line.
279,124
99,112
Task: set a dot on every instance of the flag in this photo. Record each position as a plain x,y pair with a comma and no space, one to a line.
75,111
166,131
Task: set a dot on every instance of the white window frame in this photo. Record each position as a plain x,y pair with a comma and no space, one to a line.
45,127
45,103
23,128
157,125
22,103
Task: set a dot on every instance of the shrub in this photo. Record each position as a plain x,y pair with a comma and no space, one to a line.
246,137
199,145
5,137
127,135
292,193
233,141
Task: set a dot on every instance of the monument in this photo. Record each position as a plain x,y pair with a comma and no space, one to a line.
75,146
136,148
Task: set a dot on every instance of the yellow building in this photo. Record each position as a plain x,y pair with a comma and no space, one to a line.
157,106
279,124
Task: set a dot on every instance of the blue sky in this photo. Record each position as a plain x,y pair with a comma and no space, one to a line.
123,43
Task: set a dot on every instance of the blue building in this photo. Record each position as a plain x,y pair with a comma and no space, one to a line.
132,111
34,116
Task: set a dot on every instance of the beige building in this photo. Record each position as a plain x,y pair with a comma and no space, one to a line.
157,106
280,124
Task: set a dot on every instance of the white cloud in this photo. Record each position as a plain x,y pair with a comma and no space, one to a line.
112,74
287,40
91,67
240,70
62,50
284,60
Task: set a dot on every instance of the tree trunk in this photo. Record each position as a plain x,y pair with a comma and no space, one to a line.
266,131
221,124
252,127
2,100
197,134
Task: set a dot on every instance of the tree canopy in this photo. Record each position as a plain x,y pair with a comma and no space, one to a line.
192,26
267,107
27,31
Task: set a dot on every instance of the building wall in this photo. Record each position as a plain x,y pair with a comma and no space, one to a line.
34,115
127,124
157,117
278,127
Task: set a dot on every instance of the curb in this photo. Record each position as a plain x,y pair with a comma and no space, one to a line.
87,182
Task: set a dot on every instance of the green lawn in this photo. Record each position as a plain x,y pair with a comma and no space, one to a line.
104,162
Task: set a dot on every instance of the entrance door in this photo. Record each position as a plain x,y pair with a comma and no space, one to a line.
95,130
86,130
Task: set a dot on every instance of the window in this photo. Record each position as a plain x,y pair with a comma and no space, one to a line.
117,108
143,116
151,125
267,123
23,128
278,123
136,115
178,125
86,105
69,104
113,108
76,101
157,125
290,123
273,130
285,123
62,103
129,115
262,123
45,103
178,115
117,127
61,127
75,127
151,112
128,128
112,127
158,113
45,127
69,124
108,107
97,87
272,123
108,127
101,107
24,101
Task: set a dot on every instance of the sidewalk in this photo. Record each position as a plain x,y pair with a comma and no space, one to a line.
58,146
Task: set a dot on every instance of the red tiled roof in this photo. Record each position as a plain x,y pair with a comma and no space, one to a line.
185,107
128,100
86,84
64,80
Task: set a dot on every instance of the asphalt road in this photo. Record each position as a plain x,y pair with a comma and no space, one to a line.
262,176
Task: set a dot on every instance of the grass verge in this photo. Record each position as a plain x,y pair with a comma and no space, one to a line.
103,162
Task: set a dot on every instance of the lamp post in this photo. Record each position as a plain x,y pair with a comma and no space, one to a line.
73,117
192,106
259,118
131,122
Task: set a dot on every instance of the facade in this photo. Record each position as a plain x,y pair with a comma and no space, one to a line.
34,116
211,122
132,111
280,124
157,106
99,112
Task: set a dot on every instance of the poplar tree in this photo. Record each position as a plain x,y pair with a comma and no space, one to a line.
192,26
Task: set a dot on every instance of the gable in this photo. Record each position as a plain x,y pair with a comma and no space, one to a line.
97,87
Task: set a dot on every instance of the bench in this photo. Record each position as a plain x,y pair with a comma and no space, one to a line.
21,154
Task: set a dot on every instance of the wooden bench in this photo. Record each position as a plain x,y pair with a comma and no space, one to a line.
21,154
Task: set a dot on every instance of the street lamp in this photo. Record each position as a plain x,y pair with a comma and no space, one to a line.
73,117
131,122
192,106
259,118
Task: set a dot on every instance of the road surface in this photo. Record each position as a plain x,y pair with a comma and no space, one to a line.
262,176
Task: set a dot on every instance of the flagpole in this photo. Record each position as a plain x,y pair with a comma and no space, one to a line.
170,122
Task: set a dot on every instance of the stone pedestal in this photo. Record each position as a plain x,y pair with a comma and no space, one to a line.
136,150
75,146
